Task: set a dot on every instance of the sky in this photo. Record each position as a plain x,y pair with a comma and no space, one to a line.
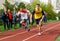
45,1
26,1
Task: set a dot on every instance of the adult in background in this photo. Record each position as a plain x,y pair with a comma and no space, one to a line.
19,18
32,18
5,20
10,18
45,17
15,18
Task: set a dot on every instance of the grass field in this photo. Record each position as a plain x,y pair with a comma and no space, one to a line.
58,38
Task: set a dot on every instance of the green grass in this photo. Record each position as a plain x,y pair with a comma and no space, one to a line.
58,38
51,20
1,28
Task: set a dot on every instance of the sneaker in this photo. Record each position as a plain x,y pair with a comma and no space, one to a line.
28,30
39,33
25,27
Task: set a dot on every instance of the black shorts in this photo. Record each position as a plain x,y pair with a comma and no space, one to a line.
38,20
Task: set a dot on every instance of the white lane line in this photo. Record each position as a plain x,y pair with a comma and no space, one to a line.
30,37
41,32
16,34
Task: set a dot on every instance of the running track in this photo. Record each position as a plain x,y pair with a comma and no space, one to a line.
49,33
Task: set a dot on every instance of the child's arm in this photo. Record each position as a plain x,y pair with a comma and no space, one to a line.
30,18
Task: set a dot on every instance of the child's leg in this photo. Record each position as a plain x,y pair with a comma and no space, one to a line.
23,22
38,22
39,27
27,22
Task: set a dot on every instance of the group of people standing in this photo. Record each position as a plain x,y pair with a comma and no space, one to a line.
7,19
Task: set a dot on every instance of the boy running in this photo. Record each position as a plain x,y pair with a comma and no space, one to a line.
38,15
24,17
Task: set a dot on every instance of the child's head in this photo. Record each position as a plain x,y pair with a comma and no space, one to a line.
37,5
8,10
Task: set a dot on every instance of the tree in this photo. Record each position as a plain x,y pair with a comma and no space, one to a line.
49,10
8,5
58,15
21,5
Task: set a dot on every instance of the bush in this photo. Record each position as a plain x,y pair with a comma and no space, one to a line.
1,22
1,10
32,5
49,10
21,5
8,5
58,15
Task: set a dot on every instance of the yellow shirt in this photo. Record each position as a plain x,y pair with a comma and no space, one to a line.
38,13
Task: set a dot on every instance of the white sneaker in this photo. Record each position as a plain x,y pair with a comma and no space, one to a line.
39,33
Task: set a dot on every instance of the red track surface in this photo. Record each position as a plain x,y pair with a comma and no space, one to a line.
22,34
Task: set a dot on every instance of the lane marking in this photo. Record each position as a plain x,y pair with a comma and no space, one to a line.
41,32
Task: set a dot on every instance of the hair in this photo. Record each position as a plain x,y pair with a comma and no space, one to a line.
38,4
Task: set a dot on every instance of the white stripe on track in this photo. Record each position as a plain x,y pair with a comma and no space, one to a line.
41,32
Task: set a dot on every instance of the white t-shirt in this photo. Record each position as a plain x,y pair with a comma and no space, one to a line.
24,15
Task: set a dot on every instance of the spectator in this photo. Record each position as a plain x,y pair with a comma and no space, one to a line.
32,18
19,18
10,18
0,17
45,17
5,20
15,16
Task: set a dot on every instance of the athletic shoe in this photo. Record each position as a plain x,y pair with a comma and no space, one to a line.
26,27
28,30
39,33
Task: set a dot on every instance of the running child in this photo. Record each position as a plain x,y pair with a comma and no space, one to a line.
24,17
38,16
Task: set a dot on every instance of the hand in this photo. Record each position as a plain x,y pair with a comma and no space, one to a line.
41,20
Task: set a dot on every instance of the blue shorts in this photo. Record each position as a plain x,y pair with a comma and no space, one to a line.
26,21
